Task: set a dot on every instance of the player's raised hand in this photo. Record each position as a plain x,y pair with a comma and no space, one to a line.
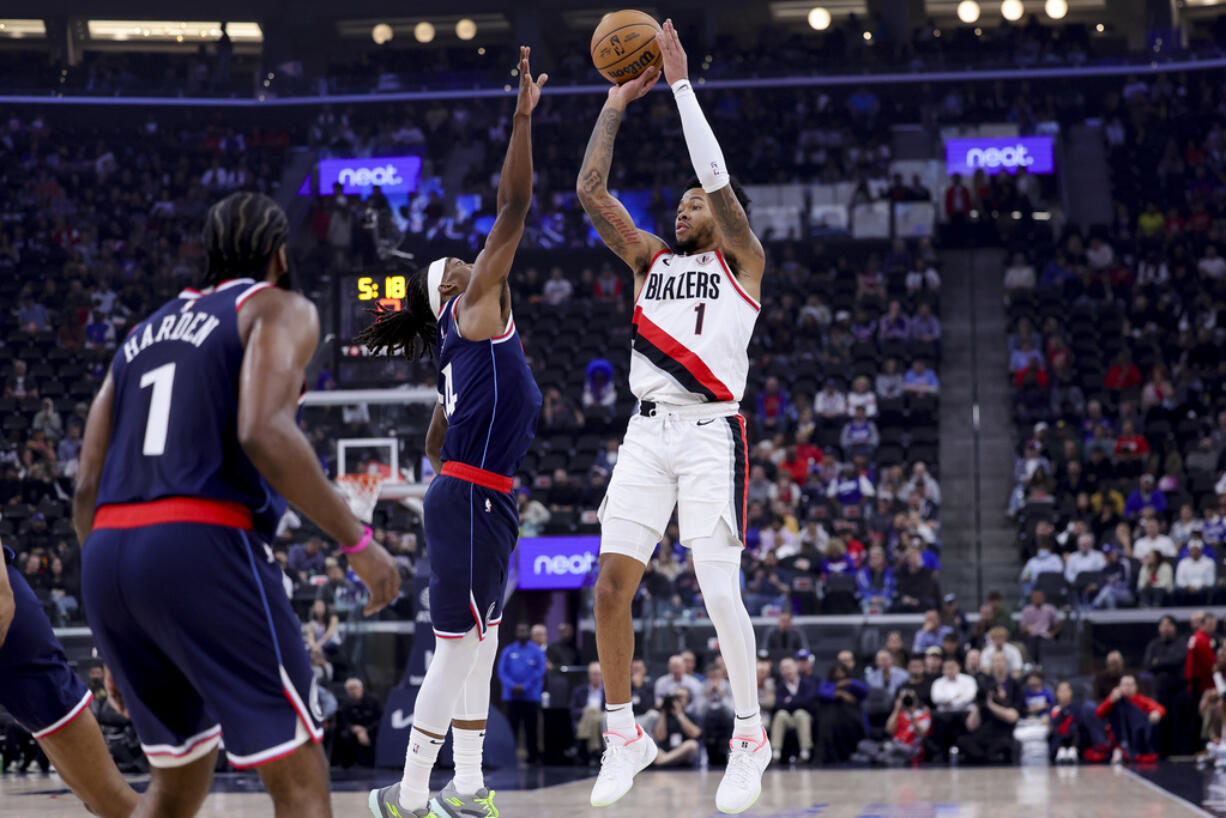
676,67
529,89
622,95
378,573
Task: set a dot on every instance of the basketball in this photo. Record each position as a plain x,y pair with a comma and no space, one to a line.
624,45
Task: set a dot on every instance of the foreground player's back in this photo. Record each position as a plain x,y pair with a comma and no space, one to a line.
174,425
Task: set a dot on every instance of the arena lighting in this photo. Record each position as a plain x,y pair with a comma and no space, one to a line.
465,29
169,31
819,19
18,29
1056,9
868,36
381,33
1012,10
968,11
1100,28
424,32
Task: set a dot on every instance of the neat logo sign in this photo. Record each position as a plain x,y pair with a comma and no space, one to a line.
1010,156
394,174
384,175
560,565
557,563
1000,155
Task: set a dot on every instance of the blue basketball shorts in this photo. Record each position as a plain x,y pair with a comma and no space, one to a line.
36,684
195,625
471,531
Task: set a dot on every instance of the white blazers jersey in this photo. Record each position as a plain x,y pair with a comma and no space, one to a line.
692,325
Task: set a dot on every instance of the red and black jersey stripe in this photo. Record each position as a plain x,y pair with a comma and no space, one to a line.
673,357
740,472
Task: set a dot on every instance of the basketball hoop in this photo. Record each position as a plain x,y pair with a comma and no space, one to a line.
361,493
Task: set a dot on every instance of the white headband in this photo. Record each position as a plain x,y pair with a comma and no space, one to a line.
434,277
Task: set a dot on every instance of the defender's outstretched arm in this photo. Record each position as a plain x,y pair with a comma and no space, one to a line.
493,265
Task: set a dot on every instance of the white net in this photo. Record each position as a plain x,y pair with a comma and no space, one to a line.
361,493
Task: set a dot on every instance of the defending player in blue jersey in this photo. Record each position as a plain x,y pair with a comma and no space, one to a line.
40,690
191,451
482,428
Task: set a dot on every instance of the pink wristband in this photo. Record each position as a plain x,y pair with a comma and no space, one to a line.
360,545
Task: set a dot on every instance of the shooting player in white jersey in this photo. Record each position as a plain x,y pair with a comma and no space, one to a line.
694,313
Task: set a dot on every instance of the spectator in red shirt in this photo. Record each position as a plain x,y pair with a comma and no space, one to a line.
958,204
1124,374
1130,444
807,452
957,198
1032,376
772,407
608,284
1198,668
1175,223
1132,718
795,465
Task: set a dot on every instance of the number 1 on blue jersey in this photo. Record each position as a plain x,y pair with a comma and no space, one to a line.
163,381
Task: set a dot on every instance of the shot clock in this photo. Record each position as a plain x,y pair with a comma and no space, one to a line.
385,291
356,296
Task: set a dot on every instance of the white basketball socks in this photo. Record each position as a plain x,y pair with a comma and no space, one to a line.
620,718
466,747
418,762
746,726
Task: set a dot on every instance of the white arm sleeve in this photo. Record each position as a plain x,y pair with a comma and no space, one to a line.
708,159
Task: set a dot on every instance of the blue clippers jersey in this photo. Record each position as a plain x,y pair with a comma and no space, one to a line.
174,431
489,395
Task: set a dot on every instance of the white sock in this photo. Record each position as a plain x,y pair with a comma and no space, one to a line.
466,747
620,718
746,726
418,762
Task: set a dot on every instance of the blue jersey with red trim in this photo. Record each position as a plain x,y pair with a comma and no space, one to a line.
174,430
489,396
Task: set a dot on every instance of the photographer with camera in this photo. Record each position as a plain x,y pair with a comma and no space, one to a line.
676,735
909,724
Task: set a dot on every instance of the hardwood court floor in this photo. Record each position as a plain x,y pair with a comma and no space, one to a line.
1087,792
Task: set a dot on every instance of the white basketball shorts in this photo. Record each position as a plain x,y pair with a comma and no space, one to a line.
692,458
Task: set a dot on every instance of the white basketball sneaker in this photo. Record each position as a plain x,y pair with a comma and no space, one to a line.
742,783
623,759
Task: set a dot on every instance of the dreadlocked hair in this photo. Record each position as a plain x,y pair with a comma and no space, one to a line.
242,232
737,191
410,331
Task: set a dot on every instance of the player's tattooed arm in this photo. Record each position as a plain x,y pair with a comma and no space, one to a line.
609,216
739,238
